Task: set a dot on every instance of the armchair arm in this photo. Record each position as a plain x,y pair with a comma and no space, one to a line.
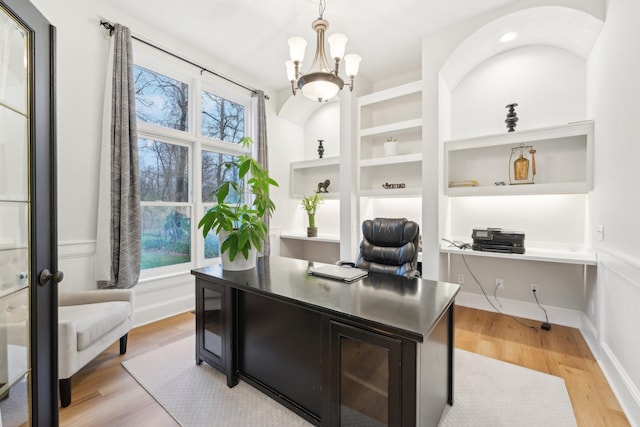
91,297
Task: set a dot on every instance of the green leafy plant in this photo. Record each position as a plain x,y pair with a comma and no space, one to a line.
310,204
391,139
242,221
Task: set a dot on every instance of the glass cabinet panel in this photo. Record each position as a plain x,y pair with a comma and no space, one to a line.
13,155
13,64
14,222
213,321
365,378
364,383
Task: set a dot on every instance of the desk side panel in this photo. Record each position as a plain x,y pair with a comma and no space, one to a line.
433,374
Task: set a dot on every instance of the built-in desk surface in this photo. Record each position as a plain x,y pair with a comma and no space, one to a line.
406,307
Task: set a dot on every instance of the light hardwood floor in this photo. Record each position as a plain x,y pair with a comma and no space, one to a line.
104,394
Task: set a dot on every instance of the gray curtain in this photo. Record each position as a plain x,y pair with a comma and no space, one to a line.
263,156
124,224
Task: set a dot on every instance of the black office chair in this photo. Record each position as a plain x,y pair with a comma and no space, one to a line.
390,245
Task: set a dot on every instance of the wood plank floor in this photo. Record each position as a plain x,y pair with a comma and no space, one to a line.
104,394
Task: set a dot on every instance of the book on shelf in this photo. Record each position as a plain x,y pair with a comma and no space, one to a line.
464,183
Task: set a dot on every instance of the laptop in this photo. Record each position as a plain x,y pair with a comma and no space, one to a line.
337,272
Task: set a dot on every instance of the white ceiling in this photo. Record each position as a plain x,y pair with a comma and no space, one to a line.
252,34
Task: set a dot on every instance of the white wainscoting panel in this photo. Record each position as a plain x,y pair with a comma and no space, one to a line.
618,345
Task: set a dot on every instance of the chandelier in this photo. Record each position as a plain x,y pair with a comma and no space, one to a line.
322,81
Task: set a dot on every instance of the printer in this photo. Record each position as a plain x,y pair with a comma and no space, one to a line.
498,240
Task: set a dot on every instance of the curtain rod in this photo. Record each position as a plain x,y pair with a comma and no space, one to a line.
110,27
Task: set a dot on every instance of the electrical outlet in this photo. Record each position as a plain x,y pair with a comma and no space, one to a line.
461,279
499,283
534,287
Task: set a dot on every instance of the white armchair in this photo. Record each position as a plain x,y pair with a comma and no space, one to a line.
88,323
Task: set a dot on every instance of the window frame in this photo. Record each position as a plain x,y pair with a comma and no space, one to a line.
193,139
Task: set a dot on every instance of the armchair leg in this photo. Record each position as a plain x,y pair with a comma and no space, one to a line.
65,392
123,343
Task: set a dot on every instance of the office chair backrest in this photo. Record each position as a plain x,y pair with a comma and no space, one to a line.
390,245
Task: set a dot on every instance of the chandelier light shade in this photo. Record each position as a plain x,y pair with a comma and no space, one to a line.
322,82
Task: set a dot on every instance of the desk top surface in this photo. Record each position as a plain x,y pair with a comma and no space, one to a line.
406,307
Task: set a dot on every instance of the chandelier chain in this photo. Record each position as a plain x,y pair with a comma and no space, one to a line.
321,6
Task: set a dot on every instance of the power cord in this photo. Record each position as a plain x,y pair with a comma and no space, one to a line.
545,325
493,305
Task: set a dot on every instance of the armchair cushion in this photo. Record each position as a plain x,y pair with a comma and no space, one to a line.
93,321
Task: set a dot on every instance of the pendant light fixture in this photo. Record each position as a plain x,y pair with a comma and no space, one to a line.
322,81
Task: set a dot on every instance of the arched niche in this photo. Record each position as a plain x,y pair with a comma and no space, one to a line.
298,109
571,29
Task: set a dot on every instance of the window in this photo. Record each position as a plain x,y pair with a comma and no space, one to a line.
182,157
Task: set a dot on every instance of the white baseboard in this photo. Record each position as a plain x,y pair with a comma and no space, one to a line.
162,310
527,310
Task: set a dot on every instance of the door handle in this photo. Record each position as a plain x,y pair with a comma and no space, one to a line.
46,276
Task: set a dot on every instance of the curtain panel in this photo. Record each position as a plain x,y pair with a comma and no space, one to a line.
118,248
263,158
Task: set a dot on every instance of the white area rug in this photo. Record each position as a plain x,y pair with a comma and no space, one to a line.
488,393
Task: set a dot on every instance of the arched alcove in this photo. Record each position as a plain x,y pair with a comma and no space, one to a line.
573,30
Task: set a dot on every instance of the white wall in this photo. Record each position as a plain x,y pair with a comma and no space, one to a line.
613,94
548,83
82,50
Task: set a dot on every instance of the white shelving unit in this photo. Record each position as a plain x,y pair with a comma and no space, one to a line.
396,113
564,161
305,176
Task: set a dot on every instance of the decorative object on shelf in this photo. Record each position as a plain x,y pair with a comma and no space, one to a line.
323,186
310,204
320,148
242,222
512,117
391,147
522,165
322,81
465,183
388,186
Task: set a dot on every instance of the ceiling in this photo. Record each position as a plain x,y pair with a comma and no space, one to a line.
251,35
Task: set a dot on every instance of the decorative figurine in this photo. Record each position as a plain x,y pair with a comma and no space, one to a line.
512,117
323,186
320,148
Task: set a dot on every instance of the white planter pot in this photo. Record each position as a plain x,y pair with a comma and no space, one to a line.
391,148
239,263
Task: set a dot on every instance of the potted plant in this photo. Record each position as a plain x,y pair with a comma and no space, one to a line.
240,226
310,204
391,147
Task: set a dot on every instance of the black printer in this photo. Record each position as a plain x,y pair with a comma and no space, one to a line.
498,240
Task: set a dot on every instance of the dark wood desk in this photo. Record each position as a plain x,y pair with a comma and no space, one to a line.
377,351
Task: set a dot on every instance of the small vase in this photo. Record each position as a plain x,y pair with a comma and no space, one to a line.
391,148
312,231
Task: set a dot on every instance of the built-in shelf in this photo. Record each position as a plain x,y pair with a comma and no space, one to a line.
391,127
563,159
325,238
391,113
392,160
583,257
306,174
397,192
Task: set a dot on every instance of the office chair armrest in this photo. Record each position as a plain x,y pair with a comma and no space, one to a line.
346,263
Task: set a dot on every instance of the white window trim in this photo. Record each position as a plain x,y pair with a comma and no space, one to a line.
197,82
